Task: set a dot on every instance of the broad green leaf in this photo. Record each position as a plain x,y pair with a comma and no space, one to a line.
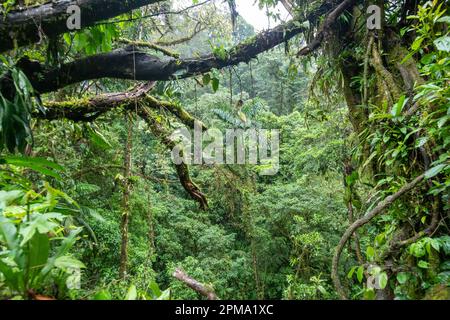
417,249
8,232
383,279
435,244
445,244
206,79
6,197
370,252
360,273
434,171
98,139
13,278
40,165
131,293
417,43
103,295
399,106
38,253
402,277
351,272
25,161
215,84
154,288
68,262
41,223
165,295
444,19
443,43
421,142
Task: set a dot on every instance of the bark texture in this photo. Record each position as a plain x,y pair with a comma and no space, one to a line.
33,24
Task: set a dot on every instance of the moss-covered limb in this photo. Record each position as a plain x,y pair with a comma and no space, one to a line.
153,46
30,25
174,108
326,27
158,129
133,64
88,109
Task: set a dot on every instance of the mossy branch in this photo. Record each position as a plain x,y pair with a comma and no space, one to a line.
150,45
182,169
89,109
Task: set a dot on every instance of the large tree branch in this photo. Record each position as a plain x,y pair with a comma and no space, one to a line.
133,64
159,130
90,109
30,25
326,27
361,222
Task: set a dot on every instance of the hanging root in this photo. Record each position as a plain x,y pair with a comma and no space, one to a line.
361,222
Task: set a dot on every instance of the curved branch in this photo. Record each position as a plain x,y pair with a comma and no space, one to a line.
87,110
182,169
326,27
130,63
361,222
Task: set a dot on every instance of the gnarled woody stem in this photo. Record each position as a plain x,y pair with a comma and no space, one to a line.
361,222
161,132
